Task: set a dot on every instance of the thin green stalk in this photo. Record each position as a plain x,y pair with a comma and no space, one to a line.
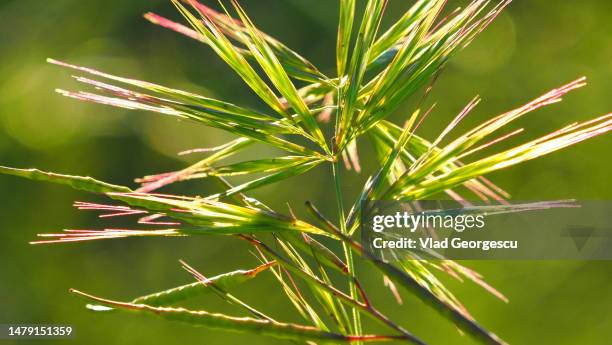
348,254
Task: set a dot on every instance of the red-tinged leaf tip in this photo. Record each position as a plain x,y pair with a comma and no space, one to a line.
211,13
149,220
61,63
255,271
174,26
152,17
71,235
490,143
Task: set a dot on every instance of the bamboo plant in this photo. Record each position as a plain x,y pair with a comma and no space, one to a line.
319,125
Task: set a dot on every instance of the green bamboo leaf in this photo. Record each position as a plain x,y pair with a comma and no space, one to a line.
382,149
402,27
464,322
387,133
319,294
377,106
293,294
85,183
279,168
151,183
374,184
213,217
267,165
224,281
274,70
399,276
388,90
400,144
315,283
460,28
296,66
345,27
440,46
235,324
224,295
464,142
289,171
230,121
233,57
211,112
180,95
323,254
334,308
359,61
260,131
531,150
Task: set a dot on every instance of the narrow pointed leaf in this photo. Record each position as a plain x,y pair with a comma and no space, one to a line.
264,54
290,171
350,91
401,28
401,277
235,324
296,66
85,183
180,293
151,183
268,165
214,217
345,28
232,56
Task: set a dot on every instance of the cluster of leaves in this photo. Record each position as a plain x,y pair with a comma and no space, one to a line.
376,72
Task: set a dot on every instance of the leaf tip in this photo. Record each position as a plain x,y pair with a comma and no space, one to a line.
152,17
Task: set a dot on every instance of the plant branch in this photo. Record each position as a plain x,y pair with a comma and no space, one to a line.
346,299
463,321
348,255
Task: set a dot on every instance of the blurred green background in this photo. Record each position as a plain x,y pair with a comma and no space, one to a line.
535,46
